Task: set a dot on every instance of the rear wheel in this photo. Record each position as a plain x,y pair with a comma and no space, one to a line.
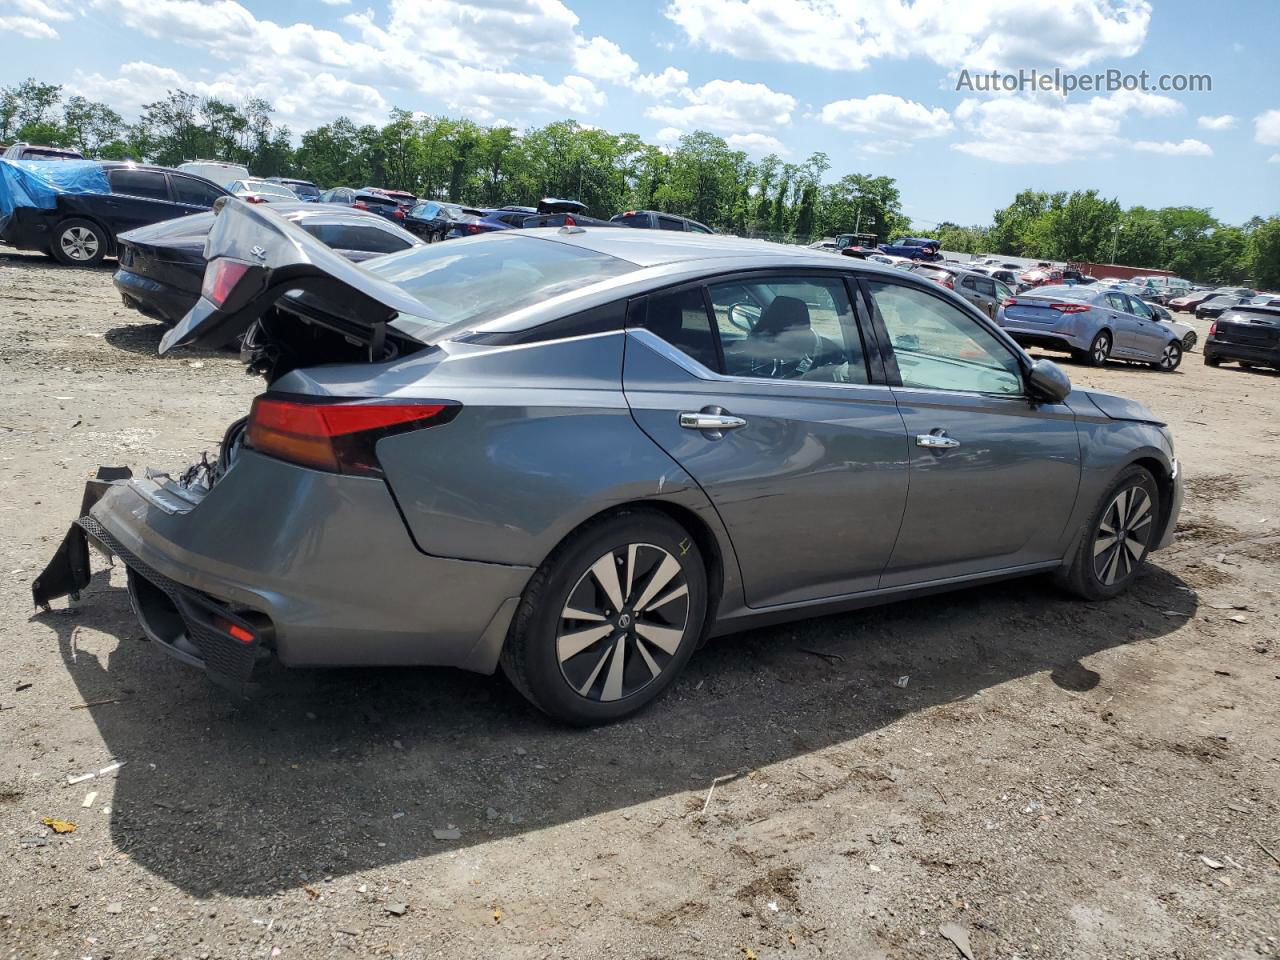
609,620
1245,365
1099,350
1211,361
1116,539
1188,342
79,243
1170,357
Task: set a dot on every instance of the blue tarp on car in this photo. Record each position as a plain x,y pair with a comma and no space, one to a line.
37,183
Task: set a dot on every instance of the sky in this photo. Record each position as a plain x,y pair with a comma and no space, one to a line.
872,83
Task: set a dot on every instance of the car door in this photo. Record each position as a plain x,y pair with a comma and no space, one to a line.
994,474
192,195
761,388
1126,341
138,198
1151,335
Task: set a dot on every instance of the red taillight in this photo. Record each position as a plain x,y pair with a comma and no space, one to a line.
220,278
569,221
252,199
234,630
338,436
399,212
1009,302
473,228
359,205
1213,328
1069,307
945,281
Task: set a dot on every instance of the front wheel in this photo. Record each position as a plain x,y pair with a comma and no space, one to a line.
609,619
1116,539
1170,357
79,243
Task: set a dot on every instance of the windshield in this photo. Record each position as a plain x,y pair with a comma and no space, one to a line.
304,189
478,278
263,186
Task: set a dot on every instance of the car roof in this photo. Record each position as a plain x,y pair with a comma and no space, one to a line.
650,248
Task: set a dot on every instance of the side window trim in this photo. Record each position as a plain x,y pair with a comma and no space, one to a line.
979,321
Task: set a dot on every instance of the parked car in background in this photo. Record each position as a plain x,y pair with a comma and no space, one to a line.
402,197
363,200
1248,334
262,191
1185,332
162,266
984,292
217,171
434,220
1264,300
1006,275
1219,302
657,220
82,228
304,189
720,452
31,151
1189,301
535,220
1094,324
916,248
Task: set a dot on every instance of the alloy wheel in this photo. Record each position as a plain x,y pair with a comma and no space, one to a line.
1101,349
79,243
1122,535
1170,356
623,622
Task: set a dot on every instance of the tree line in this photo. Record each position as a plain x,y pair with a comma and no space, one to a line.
702,177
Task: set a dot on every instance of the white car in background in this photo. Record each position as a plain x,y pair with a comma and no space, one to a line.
261,191
220,173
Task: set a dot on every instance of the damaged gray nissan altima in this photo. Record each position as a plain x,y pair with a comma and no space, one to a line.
576,453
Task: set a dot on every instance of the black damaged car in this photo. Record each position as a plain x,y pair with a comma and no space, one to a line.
162,266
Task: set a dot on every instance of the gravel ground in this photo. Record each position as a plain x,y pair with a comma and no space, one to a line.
1056,779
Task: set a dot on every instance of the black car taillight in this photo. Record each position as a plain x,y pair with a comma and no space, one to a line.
335,435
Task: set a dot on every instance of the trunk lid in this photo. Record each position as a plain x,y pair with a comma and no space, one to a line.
1036,310
1256,329
280,263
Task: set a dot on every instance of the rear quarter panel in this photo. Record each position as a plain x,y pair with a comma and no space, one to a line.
545,441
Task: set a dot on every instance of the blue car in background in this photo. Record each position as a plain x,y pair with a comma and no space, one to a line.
916,248
1094,324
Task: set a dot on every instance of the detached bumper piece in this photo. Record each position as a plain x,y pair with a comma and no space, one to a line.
191,626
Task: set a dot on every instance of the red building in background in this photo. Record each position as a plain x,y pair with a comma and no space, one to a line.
1116,271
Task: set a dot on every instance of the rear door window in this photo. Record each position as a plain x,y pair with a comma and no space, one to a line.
193,192
354,236
680,318
138,183
782,328
670,223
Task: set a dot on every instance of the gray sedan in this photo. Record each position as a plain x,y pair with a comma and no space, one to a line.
1094,324
576,453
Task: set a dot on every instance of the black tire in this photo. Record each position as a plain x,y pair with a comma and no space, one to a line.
1211,361
1245,364
1170,358
79,243
1189,342
1099,350
1082,576
531,658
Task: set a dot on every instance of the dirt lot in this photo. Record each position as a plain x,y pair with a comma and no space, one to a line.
1056,779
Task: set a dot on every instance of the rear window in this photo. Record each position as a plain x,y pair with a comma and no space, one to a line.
633,219
138,183
933,273
369,238
478,278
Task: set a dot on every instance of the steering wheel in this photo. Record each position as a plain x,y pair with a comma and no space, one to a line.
779,368
744,316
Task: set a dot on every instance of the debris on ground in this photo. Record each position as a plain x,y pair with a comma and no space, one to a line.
59,826
447,833
958,936
397,909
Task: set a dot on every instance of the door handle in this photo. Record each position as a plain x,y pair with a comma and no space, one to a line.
710,421
934,441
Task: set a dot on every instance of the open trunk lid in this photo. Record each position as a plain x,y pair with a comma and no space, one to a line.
269,260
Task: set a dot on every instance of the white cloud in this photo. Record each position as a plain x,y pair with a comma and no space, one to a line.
1224,122
1266,128
426,48
978,34
604,60
728,106
1274,158
758,144
887,117
668,135
336,3
1187,148
1045,129
661,85
28,27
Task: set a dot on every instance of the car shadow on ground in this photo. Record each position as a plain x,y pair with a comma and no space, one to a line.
336,772
31,259
144,338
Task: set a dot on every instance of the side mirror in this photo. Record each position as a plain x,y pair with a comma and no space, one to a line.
1048,381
